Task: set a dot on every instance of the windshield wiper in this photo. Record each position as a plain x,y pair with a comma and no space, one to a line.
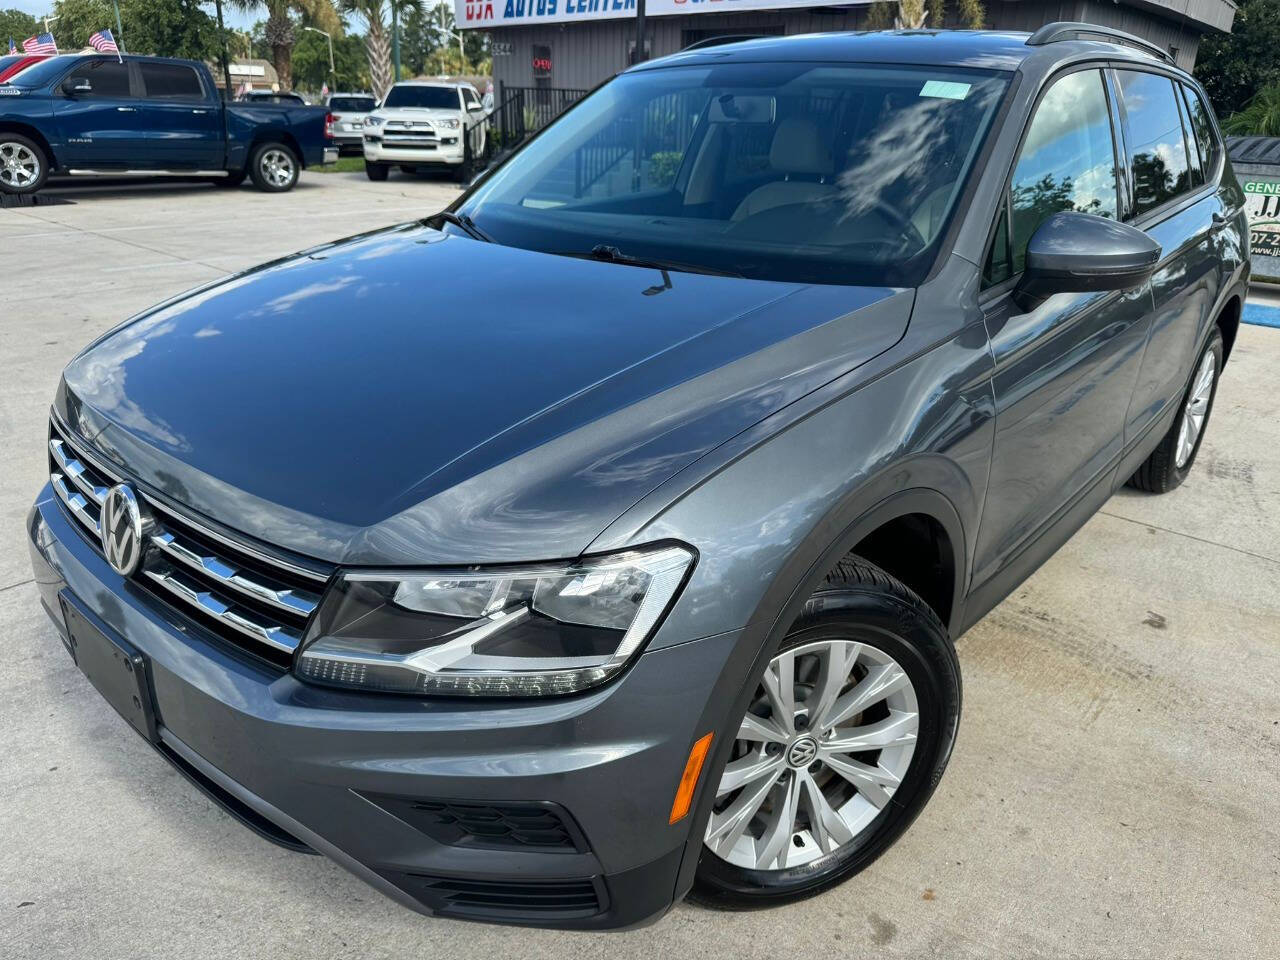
462,222
610,254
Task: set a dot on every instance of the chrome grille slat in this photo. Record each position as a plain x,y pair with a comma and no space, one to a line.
223,609
288,600
251,598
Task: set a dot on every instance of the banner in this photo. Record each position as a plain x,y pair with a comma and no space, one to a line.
1262,203
488,14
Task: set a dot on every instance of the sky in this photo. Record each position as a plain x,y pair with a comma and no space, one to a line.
233,19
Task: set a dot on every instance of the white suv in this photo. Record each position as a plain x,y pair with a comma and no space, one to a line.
421,124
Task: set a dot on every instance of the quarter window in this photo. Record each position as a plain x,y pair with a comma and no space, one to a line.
1157,147
1202,128
1067,160
109,78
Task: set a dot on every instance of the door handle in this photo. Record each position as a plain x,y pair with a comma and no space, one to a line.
126,109
1220,219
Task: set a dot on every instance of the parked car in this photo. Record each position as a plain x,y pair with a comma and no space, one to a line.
420,124
147,116
348,111
14,63
271,96
646,578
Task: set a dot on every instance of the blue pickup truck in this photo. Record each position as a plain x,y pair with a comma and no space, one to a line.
149,116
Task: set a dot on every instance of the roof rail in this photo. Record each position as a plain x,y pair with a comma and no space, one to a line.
717,41
1070,30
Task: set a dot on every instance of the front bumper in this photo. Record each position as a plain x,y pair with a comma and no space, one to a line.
357,777
415,153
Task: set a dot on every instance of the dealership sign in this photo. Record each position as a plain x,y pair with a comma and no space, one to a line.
1262,203
513,13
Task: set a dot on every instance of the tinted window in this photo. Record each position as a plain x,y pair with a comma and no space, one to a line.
469,97
438,98
1202,127
110,78
1157,148
813,172
1067,160
171,81
353,104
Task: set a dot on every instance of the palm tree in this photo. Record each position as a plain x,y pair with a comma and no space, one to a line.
281,34
915,14
376,15
1260,116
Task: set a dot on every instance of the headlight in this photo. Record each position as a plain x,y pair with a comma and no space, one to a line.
374,121
507,632
446,124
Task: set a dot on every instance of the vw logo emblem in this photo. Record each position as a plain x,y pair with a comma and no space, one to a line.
121,524
802,752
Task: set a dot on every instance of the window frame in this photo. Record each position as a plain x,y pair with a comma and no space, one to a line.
986,294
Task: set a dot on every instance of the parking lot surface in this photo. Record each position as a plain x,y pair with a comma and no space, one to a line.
1115,790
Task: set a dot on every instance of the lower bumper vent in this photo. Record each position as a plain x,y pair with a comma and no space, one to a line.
540,826
508,899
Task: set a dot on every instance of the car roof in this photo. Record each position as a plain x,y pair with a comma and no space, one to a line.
984,49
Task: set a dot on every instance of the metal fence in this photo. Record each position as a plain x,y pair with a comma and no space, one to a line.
522,112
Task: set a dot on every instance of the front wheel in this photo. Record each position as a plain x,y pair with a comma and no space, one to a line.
376,172
840,748
274,168
23,165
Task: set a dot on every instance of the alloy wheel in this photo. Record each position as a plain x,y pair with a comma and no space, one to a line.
19,166
277,168
825,743
1196,409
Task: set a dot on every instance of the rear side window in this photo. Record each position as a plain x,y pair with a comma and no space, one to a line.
1206,138
109,78
171,81
1157,148
1067,160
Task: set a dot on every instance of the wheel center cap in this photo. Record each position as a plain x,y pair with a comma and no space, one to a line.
802,752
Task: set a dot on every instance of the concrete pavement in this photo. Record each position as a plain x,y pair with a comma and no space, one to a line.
1115,791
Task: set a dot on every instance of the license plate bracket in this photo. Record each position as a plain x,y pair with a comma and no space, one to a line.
115,667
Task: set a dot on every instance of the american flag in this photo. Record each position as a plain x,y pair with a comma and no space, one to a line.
104,42
44,43
13,48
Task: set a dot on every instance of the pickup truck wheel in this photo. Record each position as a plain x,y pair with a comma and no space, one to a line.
376,171
23,167
842,744
1170,462
274,168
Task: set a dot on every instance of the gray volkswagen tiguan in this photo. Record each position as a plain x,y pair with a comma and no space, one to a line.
604,538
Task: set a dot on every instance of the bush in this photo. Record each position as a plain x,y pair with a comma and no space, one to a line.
663,167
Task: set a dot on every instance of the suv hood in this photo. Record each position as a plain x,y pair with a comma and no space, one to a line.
415,397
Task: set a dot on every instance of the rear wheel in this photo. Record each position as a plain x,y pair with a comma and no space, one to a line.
376,171
274,168
1170,462
23,165
840,748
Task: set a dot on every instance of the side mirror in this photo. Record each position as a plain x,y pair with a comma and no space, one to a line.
74,85
1080,253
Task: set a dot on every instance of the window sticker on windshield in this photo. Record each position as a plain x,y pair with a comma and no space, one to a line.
946,89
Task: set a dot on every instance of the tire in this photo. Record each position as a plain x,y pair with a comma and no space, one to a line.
231,180
274,168
870,615
1169,463
376,171
24,168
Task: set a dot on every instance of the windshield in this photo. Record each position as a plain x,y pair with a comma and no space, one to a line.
357,104
783,171
438,98
38,74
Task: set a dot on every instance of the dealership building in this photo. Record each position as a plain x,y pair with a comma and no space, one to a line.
575,44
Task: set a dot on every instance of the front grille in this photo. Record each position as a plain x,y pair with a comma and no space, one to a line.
255,601
509,899
544,827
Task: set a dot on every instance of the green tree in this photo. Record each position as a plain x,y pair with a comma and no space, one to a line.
167,28
1235,66
284,17
16,26
929,14
311,63
1260,117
